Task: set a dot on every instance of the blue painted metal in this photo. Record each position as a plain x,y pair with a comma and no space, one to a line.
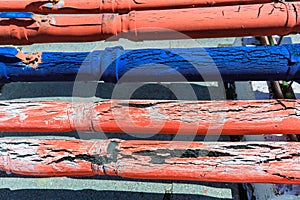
16,15
8,51
193,64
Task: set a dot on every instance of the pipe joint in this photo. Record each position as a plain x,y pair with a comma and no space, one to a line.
111,24
54,4
115,6
43,21
110,64
19,33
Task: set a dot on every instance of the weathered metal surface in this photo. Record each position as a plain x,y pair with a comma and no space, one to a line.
223,21
271,162
106,6
11,55
165,117
244,91
186,64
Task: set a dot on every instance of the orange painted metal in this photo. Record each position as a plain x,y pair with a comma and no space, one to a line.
164,117
228,21
267,162
106,6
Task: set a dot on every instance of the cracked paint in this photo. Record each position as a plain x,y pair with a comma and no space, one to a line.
168,117
267,162
230,64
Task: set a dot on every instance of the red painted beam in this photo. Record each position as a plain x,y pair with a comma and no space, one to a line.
253,162
165,117
105,6
228,21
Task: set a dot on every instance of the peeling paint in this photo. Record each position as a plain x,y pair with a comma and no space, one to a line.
240,117
220,162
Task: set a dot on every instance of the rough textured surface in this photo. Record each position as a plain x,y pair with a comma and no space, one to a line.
268,162
17,90
151,116
156,65
97,187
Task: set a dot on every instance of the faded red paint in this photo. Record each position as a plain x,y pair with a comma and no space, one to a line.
104,6
257,162
165,117
227,21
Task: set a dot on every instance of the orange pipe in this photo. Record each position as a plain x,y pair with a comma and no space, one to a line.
252,162
106,6
136,116
230,21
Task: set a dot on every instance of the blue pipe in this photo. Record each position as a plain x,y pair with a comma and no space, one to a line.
186,64
8,51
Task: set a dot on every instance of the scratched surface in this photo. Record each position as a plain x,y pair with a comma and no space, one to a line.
163,117
273,162
69,188
15,187
155,65
59,188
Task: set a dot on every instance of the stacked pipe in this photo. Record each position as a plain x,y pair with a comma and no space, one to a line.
223,21
26,22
